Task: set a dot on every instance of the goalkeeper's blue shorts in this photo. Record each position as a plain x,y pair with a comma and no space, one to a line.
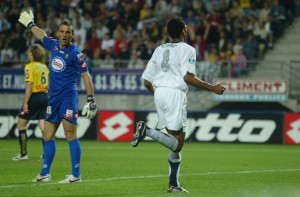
37,107
63,107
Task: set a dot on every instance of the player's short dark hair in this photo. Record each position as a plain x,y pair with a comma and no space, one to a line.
67,24
175,27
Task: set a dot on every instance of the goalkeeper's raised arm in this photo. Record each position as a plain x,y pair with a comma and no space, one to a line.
27,19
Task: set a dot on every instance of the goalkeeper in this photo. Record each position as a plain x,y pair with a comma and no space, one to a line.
67,64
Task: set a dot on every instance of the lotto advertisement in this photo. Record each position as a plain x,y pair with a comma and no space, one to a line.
208,126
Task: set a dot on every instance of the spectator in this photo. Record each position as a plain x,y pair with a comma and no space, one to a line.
30,39
214,20
264,11
214,55
147,50
101,30
190,18
238,45
107,42
78,42
119,42
80,34
88,53
250,47
123,56
94,42
7,54
4,23
223,42
236,11
278,18
135,56
239,64
200,46
261,35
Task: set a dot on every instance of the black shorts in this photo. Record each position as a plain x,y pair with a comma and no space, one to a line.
37,107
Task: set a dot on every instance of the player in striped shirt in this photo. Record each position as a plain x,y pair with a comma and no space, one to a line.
36,96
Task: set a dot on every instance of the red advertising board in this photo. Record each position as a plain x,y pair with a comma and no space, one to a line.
292,128
115,125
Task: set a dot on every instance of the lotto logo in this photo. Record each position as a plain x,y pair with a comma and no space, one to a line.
115,126
292,128
230,127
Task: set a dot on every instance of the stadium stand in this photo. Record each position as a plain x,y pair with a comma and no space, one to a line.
111,32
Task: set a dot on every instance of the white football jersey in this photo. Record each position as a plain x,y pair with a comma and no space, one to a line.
169,64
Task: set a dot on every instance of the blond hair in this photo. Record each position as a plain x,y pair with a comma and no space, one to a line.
38,53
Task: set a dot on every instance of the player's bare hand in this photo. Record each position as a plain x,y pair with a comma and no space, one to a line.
25,108
219,89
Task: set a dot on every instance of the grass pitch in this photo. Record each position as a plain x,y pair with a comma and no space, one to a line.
117,169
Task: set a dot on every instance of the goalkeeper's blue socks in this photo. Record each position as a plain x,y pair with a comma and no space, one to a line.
75,152
49,153
23,142
174,164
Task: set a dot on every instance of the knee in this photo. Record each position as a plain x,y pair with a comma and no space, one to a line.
48,136
179,148
70,135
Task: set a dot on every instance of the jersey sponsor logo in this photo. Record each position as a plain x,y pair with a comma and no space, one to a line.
27,76
67,55
56,48
58,64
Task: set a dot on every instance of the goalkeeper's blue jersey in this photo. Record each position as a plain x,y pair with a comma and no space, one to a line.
66,65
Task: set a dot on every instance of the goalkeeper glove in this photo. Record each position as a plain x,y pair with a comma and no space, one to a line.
27,19
90,109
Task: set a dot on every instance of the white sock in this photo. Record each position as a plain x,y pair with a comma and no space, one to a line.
165,139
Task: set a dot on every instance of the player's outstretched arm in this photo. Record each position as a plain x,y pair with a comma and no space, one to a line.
198,83
27,19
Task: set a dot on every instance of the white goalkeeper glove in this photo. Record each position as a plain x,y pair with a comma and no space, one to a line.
90,108
27,19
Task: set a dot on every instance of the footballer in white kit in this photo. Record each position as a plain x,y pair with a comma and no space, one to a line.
167,75
166,70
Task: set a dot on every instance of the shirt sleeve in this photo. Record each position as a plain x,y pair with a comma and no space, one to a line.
189,62
48,43
149,71
80,62
28,70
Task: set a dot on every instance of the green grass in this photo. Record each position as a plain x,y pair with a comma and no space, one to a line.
116,169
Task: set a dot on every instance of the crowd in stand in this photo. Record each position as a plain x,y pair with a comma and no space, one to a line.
128,31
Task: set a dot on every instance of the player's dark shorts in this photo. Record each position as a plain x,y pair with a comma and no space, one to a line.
37,107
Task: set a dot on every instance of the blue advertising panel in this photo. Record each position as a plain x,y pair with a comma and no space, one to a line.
105,81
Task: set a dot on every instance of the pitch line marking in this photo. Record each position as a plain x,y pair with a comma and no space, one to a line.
156,176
